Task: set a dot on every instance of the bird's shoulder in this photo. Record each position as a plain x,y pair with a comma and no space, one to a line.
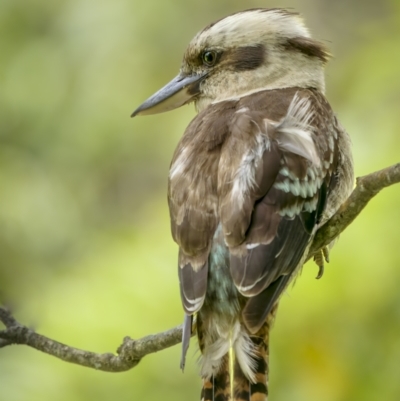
211,128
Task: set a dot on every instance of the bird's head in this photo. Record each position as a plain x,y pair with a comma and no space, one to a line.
243,53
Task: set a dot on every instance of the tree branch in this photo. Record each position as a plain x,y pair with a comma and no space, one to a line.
366,188
130,352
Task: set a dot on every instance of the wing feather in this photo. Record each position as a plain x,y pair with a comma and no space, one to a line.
270,225
193,200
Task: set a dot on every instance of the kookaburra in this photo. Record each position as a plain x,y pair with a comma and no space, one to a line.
260,168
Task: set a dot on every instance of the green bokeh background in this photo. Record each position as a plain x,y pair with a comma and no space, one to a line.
85,250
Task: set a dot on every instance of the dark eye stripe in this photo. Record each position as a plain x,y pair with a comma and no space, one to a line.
309,47
247,57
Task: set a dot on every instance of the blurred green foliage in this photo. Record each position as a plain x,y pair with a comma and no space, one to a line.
85,250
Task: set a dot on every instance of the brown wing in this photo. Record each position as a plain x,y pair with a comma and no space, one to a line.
272,185
193,199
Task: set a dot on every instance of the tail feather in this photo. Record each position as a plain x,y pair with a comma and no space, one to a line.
257,389
250,373
215,362
244,389
218,386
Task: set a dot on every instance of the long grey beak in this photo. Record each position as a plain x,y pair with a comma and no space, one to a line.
181,90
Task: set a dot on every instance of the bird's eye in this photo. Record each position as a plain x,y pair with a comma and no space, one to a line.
209,58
